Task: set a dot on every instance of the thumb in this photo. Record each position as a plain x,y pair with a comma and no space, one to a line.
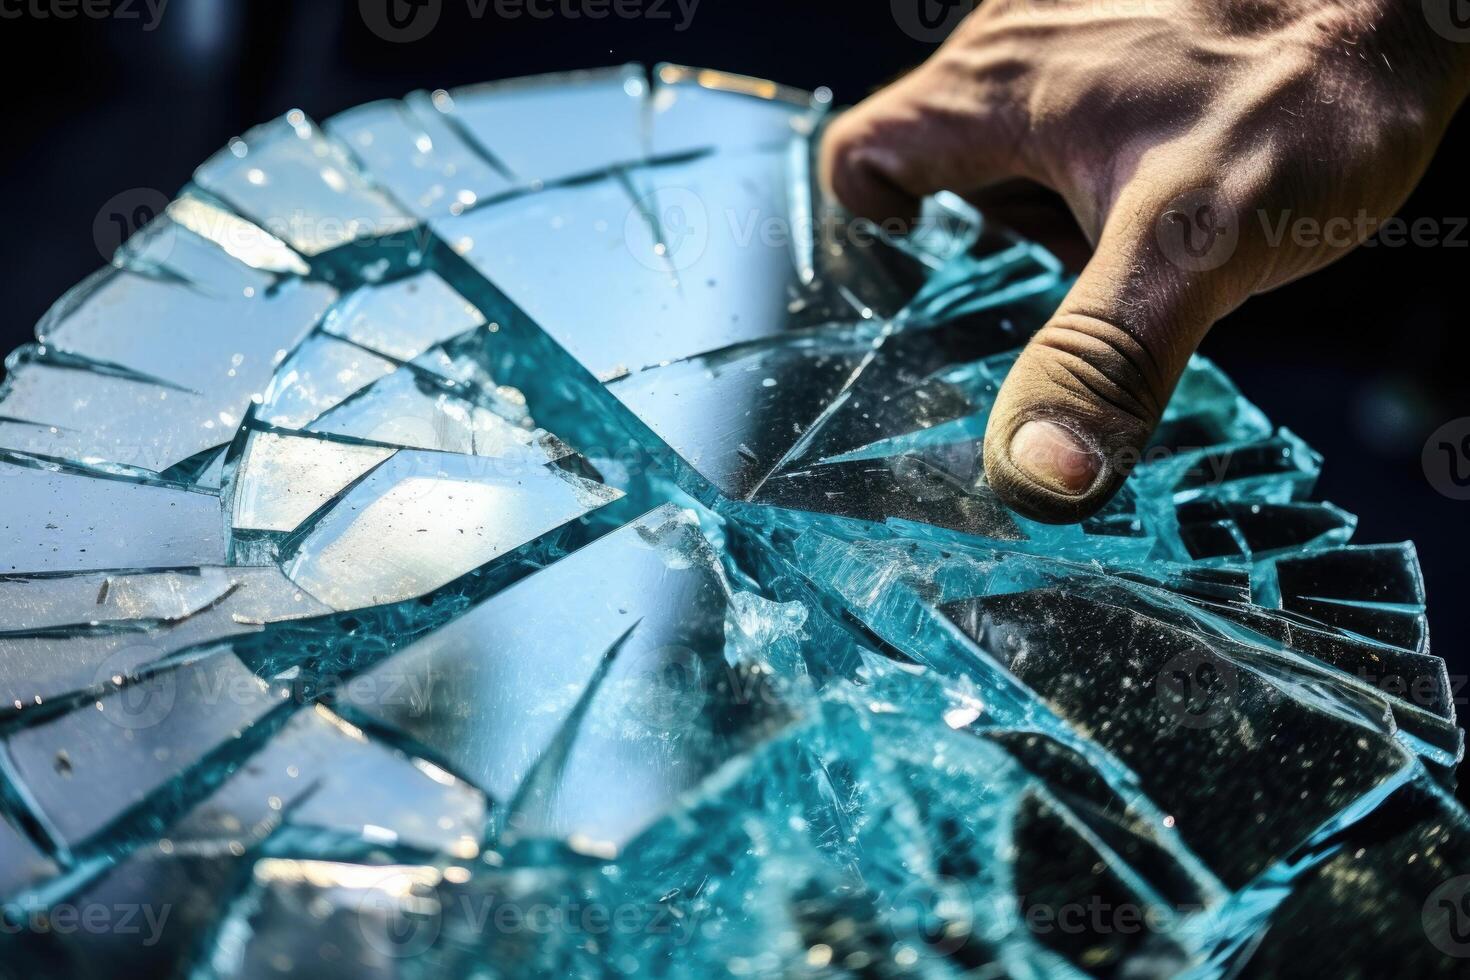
1086,394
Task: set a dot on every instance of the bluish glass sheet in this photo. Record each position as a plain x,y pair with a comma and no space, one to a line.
528,530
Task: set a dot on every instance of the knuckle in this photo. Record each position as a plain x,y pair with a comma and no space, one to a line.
840,142
1099,361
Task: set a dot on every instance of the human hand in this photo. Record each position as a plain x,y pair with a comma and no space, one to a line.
1184,135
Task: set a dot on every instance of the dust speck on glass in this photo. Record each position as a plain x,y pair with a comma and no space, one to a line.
525,530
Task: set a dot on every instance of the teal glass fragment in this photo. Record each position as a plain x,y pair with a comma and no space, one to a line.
528,530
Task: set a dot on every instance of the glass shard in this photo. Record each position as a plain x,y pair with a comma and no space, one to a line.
505,120
60,519
630,701
283,479
404,319
752,111
151,363
289,179
86,769
421,520
414,153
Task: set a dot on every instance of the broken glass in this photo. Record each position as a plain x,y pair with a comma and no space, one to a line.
530,530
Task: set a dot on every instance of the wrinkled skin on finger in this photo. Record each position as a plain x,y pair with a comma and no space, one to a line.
1192,140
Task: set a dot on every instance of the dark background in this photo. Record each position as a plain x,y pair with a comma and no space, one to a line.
1364,360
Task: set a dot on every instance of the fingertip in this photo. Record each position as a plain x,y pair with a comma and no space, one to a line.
1049,470
1054,457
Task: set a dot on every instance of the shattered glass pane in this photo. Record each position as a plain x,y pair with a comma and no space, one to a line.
448,544
421,520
